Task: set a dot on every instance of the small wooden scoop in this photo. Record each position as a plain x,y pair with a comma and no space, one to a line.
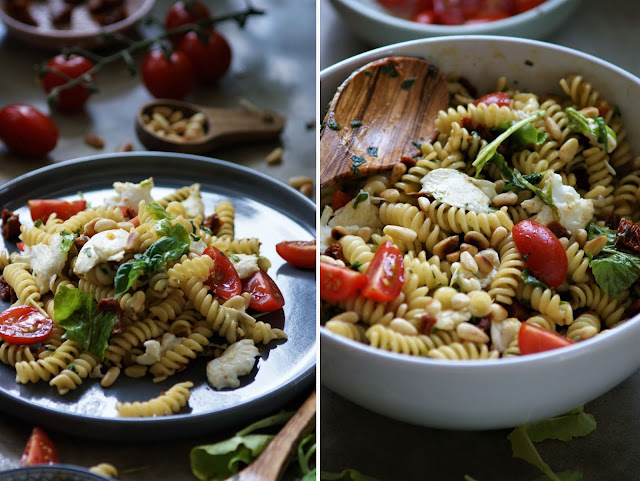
376,116
271,464
222,127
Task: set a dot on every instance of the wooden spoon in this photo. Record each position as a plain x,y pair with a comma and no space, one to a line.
376,116
271,464
222,127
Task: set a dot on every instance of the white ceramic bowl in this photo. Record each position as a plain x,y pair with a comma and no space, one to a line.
373,24
505,392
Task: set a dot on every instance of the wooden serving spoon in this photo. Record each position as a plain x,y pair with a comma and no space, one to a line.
376,116
271,464
222,127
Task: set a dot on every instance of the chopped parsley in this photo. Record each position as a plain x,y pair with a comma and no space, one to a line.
356,123
372,151
361,197
37,223
356,162
389,69
333,125
408,83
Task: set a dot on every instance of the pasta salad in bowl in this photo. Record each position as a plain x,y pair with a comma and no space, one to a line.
491,279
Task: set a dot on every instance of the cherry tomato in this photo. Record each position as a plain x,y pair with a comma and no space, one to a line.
223,280
385,274
298,253
170,78
340,199
39,449
61,69
425,16
542,251
24,325
27,131
486,17
339,283
184,12
394,3
41,209
532,339
499,98
210,59
448,12
524,5
265,295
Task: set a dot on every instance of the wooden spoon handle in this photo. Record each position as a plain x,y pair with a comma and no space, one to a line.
271,464
230,126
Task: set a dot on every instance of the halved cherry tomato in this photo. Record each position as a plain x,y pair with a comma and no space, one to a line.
385,274
298,253
425,16
24,325
27,131
20,246
532,339
265,294
524,5
340,199
486,17
39,449
499,98
61,69
339,283
41,209
542,252
224,280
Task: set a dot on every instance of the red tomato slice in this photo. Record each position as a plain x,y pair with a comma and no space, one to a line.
339,283
499,98
39,449
24,325
340,199
41,209
265,295
385,275
298,253
20,246
542,252
223,280
532,339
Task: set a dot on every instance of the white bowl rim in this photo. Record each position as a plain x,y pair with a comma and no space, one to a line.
548,7
602,340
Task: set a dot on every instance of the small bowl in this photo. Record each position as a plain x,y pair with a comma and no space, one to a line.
83,32
55,472
505,392
373,24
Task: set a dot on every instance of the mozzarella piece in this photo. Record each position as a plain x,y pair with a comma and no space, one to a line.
362,214
197,247
193,204
237,360
154,349
456,188
246,264
47,262
109,245
573,213
503,333
131,194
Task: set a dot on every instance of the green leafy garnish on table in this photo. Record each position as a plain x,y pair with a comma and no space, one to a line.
345,475
78,313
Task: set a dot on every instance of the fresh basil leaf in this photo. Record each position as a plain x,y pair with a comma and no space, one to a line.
158,211
488,151
67,240
361,197
125,276
594,230
77,312
525,136
345,475
616,273
530,280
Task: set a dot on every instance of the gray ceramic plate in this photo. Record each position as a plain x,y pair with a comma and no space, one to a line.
50,473
265,208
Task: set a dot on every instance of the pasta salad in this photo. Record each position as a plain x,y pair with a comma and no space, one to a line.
136,285
512,232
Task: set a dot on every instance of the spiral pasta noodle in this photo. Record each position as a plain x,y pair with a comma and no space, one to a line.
168,403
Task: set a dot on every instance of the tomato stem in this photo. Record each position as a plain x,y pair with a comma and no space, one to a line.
125,54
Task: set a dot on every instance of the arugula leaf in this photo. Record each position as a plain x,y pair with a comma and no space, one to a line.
563,428
159,253
216,462
345,475
615,273
361,197
531,280
595,129
517,182
523,448
304,457
67,240
488,151
77,312
525,136
594,230
568,475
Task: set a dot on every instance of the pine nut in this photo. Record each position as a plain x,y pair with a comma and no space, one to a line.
581,237
105,224
506,198
402,233
162,110
433,308
110,377
477,239
307,189
175,116
453,257
179,127
424,204
299,180
470,248
198,118
390,195
125,147
338,232
569,150
403,327
136,371
471,333
397,172
161,121
484,265
468,262
595,245
498,313
365,233
446,246
460,301
275,156
553,128
94,141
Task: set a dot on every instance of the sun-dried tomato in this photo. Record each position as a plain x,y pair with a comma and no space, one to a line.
628,235
612,221
426,324
335,251
558,229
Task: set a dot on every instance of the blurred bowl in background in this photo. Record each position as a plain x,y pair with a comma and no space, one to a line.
373,24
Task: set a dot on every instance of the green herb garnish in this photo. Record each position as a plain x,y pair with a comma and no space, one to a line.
333,125
408,83
372,151
356,123
356,162
361,197
595,129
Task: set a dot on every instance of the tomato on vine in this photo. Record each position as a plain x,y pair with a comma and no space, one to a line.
183,12
210,59
168,76
61,69
27,131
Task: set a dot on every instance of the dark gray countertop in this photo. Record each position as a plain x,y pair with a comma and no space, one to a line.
353,437
274,67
